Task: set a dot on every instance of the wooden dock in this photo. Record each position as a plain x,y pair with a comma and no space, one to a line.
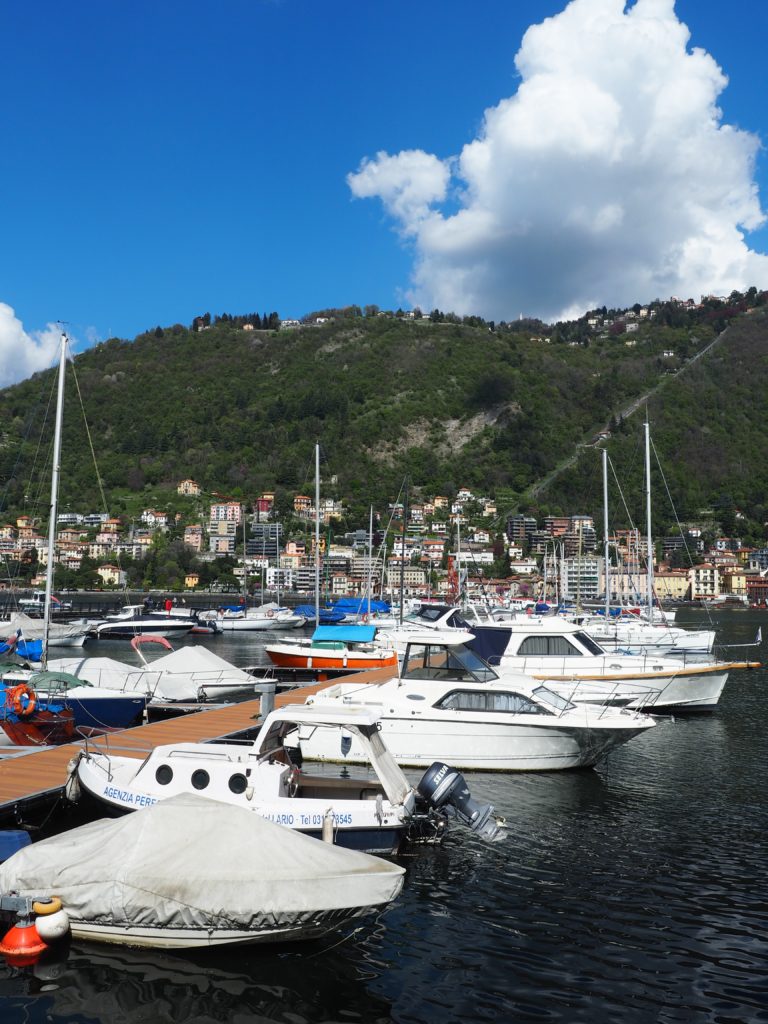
37,779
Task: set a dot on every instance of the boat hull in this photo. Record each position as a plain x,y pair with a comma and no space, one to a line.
324,662
482,746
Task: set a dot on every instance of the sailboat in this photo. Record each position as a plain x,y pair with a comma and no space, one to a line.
35,695
646,633
331,648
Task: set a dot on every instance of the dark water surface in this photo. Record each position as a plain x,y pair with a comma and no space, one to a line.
635,892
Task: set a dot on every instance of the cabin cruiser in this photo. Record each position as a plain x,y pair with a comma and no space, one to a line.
447,699
377,811
573,663
136,619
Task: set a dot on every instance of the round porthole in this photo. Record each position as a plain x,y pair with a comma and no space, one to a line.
238,783
164,774
200,778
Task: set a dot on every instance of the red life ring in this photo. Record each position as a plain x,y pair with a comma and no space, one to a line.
270,614
16,698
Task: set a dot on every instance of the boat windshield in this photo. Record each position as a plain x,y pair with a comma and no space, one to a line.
455,663
589,643
555,700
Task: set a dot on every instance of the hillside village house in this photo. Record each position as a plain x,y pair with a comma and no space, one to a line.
191,580
153,519
705,581
671,585
188,488
112,576
226,512
302,506
733,582
193,536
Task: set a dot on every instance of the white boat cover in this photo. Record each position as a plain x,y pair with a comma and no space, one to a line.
193,864
179,675
32,629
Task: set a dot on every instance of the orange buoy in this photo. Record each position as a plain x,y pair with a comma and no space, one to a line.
22,946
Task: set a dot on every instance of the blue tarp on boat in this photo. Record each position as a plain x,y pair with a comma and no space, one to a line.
32,649
327,615
359,606
350,634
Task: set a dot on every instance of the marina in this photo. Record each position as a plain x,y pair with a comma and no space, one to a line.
631,892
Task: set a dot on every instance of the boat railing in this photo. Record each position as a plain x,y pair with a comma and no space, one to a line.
637,699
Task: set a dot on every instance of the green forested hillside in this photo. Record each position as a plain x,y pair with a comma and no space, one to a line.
448,404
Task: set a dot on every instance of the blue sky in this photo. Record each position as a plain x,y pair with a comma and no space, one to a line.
163,159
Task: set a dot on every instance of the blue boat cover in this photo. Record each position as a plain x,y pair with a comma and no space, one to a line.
327,615
32,649
359,605
349,634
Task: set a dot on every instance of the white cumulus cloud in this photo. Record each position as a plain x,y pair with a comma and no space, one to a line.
608,177
21,353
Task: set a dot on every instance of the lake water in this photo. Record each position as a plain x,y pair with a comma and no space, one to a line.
635,892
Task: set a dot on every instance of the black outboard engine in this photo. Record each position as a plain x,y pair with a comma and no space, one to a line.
444,787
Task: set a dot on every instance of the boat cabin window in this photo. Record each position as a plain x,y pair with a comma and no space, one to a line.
497,703
589,643
238,783
450,664
164,774
548,646
200,778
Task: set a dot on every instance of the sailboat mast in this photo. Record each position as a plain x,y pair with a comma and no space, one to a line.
606,553
402,552
55,472
317,535
648,519
369,582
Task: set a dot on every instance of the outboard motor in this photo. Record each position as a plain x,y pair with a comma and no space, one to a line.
444,787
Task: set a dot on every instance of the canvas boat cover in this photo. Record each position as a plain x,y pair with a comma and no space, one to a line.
176,676
193,863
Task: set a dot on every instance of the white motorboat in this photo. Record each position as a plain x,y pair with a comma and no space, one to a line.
447,699
573,663
134,620
631,634
376,812
193,872
238,618
186,674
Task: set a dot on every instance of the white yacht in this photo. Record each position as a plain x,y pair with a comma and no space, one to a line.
571,661
449,703
135,620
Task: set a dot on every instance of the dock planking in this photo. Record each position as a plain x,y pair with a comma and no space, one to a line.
40,776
